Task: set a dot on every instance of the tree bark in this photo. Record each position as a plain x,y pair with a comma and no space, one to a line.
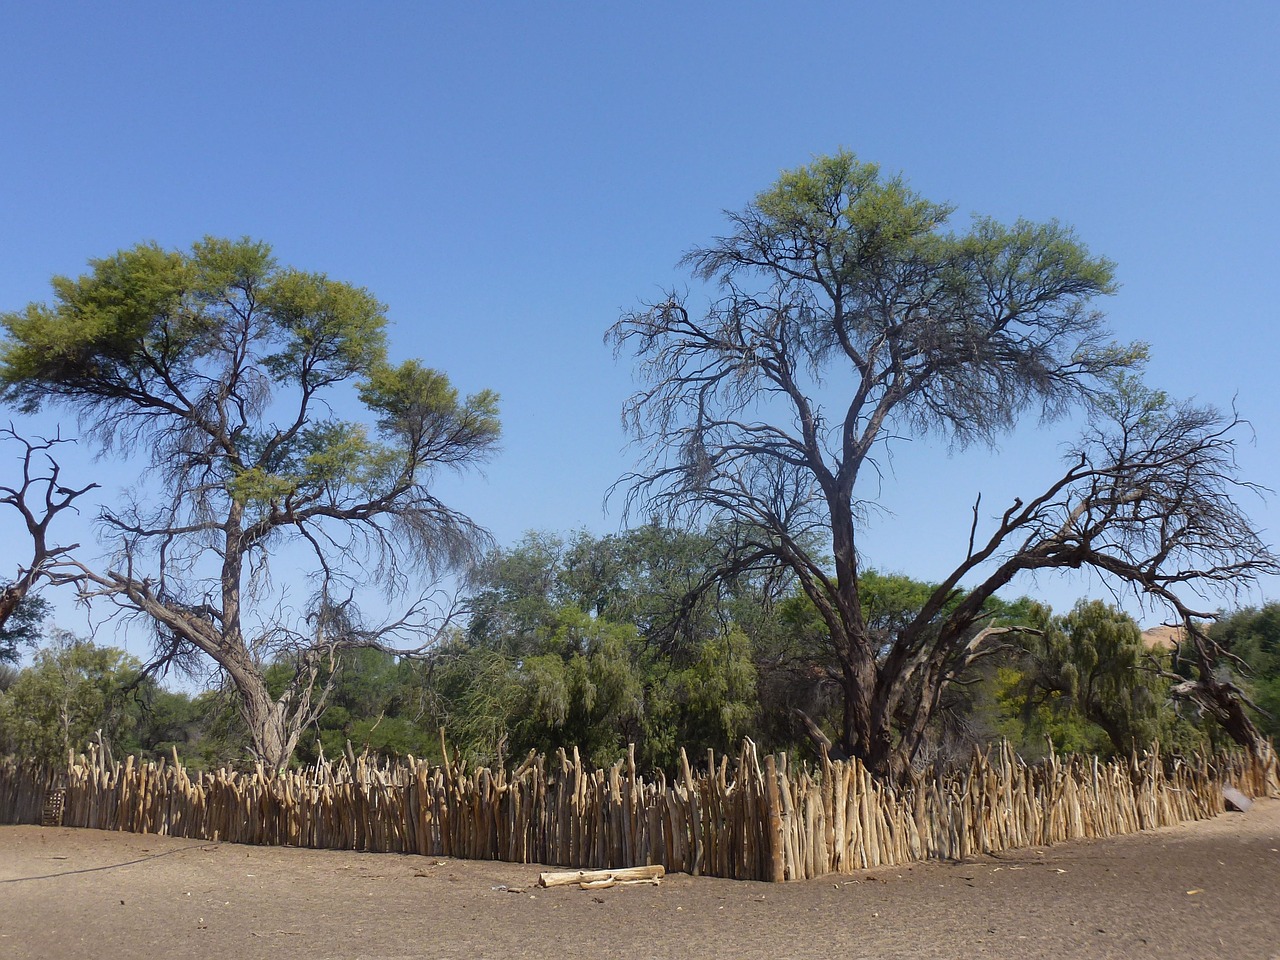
271,740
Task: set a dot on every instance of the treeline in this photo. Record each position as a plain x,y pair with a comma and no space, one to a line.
838,315
602,642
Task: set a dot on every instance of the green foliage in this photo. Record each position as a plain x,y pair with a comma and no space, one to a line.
474,693
1253,635
227,369
168,720
76,692
72,690
890,601
599,643
836,238
421,407
161,332
710,702
582,688
1049,717
1088,683
375,705
23,628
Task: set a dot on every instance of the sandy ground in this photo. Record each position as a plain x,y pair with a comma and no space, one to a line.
1200,890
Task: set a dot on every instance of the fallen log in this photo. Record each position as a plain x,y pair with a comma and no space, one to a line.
561,878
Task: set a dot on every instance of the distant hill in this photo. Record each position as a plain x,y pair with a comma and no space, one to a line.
1164,637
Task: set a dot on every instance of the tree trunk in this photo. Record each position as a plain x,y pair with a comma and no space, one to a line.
920,699
863,734
1235,721
1122,745
271,741
854,718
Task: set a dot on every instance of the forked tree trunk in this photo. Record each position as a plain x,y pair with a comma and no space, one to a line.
271,740
864,734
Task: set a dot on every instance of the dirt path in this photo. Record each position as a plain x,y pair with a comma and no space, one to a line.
1200,890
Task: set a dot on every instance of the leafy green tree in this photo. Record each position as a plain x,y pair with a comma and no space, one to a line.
476,693
582,688
225,371
516,593
600,642
73,693
1089,664
712,700
373,705
168,720
846,314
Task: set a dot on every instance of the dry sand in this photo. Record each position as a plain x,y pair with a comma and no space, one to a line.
1200,890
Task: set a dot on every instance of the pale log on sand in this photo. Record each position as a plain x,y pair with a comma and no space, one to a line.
560,878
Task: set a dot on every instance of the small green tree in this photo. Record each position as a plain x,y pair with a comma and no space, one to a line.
1091,665
373,704
476,694
1092,657
600,642
582,688
225,370
73,693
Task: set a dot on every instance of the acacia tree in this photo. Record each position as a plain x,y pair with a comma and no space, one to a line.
222,371
846,315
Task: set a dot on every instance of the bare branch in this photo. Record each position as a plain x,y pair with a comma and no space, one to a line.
839,286
38,498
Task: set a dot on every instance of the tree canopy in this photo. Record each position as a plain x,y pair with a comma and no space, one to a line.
1090,663
72,692
600,642
846,313
224,372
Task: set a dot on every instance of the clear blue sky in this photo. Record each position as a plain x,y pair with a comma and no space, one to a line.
508,176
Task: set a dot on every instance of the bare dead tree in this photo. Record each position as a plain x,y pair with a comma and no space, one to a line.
38,497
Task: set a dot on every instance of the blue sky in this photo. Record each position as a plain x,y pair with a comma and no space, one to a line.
509,177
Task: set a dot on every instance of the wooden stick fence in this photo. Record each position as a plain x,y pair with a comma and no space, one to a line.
749,821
